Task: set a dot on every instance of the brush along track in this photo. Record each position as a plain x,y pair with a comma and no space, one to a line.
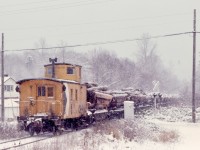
41,137
19,142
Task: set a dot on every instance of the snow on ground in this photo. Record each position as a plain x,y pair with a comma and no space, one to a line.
189,134
164,129
172,114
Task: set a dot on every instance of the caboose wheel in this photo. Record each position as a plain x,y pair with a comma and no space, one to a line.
54,130
91,119
60,131
31,130
37,130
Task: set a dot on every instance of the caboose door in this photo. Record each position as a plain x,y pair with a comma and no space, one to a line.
41,99
32,105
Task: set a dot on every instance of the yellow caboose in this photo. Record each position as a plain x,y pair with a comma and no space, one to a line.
58,100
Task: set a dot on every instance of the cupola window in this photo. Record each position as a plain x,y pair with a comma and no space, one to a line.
70,70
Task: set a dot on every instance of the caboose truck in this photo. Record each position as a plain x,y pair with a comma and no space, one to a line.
53,103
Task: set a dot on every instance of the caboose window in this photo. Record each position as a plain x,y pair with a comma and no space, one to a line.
70,70
41,91
50,92
76,95
71,94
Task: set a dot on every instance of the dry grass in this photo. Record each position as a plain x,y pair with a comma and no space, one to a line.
83,140
109,132
166,137
9,130
135,130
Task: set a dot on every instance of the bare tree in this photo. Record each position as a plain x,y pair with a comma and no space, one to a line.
150,68
108,69
147,62
146,51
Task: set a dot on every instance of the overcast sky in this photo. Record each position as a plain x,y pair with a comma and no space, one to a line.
25,22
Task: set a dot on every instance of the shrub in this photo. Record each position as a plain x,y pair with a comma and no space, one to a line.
9,130
166,136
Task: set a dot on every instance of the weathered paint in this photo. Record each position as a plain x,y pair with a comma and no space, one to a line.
76,101
70,103
31,104
61,72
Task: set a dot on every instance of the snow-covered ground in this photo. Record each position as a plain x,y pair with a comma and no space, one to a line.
166,129
189,135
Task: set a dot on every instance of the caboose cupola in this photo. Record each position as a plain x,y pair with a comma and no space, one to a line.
64,71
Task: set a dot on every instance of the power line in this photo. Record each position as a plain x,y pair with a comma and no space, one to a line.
20,4
96,31
63,5
101,22
101,43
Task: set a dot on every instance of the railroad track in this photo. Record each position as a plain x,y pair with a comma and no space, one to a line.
23,141
14,140
19,142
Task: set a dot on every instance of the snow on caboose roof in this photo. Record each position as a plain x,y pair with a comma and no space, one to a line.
50,79
62,64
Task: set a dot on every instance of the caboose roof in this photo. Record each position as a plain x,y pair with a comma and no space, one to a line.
49,79
62,64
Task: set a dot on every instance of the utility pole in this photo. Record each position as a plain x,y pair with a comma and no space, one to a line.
2,79
53,66
193,70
